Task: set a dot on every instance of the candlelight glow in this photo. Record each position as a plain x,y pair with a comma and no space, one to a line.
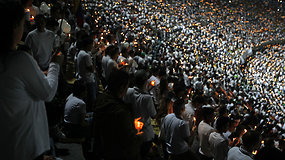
32,18
139,125
152,83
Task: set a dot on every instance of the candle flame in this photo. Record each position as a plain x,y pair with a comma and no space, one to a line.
152,83
254,152
139,125
32,18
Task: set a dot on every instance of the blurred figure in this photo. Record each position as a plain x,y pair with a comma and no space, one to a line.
204,130
175,133
42,42
115,133
142,106
218,142
75,112
250,142
24,89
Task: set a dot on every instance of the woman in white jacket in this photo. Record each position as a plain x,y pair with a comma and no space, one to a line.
24,89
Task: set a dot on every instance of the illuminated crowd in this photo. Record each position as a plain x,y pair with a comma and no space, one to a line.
153,79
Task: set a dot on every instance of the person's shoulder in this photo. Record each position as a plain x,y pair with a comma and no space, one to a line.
49,32
33,32
182,123
169,116
82,53
22,55
78,100
233,149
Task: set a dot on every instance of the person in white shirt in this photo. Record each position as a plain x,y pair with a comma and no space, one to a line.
219,143
105,60
24,89
42,42
85,69
142,106
176,134
250,142
112,62
75,112
204,131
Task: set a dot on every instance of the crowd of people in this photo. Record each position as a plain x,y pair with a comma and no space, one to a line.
195,79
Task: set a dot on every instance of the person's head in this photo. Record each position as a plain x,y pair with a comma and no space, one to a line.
179,107
40,22
222,124
223,111
79,89
198,101
124,51
141,76
208,113
234,122
251,140
112,51
85,44
12,15
179,90
118,83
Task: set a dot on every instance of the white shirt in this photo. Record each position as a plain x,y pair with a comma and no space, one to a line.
74,109
189,114
236,153
23,121
204,131
42,45
111,65
84,61
143,106
175,131
219,145
105,60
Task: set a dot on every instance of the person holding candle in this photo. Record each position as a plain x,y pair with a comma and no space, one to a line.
42,42
218,142
175,133
114,129
143,106
24,89
204,130
250,142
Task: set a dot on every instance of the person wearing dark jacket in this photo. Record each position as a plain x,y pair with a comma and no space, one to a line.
114,128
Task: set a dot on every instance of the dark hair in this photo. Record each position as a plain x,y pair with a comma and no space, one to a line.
117,80
11,13
198,100
39,17
250,139
222,122
207,111
78,87
112,50
178,106
84,42
140,77
222,110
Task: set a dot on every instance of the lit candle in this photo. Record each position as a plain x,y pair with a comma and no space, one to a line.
138,125
152,83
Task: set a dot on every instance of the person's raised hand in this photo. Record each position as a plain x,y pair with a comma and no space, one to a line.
57,58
